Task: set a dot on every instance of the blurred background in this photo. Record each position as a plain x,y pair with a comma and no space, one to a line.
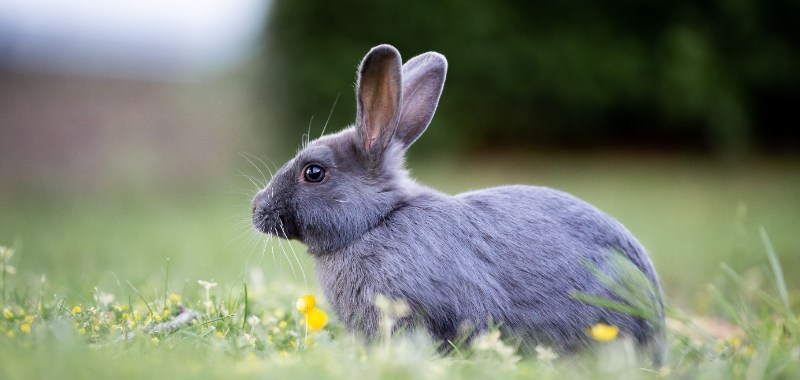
122,124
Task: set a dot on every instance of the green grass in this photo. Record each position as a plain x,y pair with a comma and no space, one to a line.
692,214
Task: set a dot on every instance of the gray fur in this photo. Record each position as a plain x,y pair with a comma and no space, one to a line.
511,254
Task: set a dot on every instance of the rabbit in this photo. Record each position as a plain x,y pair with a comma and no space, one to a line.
509,254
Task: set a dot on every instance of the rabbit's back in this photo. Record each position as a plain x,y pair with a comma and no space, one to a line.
513,254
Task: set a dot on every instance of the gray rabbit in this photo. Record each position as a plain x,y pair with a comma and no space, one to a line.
510,254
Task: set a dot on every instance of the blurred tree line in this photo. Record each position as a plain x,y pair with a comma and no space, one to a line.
710,75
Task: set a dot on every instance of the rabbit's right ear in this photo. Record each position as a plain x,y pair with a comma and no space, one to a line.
379,93
423,81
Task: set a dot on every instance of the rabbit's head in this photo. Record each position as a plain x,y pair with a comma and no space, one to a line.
342,185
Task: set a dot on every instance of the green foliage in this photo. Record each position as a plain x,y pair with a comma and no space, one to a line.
244,334
683,210
716,73
639,296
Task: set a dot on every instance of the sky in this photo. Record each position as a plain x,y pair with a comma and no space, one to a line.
149,39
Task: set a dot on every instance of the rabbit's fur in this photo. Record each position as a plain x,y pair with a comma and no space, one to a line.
510,254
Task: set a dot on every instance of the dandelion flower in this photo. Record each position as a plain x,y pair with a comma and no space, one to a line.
76,310
602,332
316,319
25,328
8,314
206,284
545,354
306,303
250,339
105,298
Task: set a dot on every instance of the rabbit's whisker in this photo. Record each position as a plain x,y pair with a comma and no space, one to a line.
308,135
329,115
263,163
251,179
255,166
280,223
280,243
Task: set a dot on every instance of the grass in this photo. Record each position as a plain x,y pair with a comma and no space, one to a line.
693,215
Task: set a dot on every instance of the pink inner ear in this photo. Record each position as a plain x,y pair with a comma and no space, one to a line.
380,111
379,98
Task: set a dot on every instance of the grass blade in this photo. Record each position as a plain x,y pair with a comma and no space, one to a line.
140,296
777,271
244,320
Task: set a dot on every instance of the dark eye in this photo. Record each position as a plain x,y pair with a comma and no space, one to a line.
314,173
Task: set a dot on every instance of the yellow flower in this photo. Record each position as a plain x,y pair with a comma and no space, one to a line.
76,310
316,319
157,317
602,332
25,328
137,315
175,297
10,334
166,312
664,371
735,342
306,303
155,340
252,356
82,331
279,313
8,314
126,316
220,334
282,323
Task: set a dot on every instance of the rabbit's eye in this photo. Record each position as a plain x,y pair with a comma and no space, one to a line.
314,173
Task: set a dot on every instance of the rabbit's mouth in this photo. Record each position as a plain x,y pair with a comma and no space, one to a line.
286,229
274,224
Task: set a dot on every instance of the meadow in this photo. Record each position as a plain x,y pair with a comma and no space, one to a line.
94,269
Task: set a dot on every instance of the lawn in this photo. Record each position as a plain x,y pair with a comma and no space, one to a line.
88,261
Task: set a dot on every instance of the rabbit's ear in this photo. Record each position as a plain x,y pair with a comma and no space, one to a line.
378,97
423,81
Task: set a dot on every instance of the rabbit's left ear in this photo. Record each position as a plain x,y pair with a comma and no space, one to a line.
423,81
378,97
